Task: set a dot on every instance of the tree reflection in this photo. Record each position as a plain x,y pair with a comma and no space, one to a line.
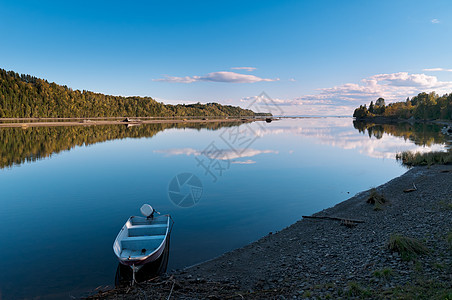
20,145
421,134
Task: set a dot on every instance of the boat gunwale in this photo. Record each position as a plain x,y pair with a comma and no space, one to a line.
140,259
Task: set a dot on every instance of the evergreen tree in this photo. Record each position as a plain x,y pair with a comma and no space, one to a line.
371,107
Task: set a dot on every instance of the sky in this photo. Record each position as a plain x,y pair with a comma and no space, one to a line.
307,57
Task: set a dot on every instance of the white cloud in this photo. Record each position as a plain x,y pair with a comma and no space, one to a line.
435,21
249,69
404,79
224,76
286,102
437,70
292,80
245,162
389,86
343,99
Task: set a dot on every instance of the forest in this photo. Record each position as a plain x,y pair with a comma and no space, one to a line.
421,107
25,96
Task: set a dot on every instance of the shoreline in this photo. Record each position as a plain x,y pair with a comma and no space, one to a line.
322,258
136,121
395,120
119,121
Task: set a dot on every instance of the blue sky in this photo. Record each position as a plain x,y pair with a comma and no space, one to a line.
310,57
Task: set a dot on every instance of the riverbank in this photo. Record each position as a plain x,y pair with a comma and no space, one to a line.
115,121
323,258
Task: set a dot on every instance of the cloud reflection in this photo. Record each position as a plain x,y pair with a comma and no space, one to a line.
221,154
337,132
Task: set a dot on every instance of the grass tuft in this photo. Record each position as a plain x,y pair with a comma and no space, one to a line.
386,273
355,290
445,204
376,199
409,248
411,159
449,239
424,289
307,294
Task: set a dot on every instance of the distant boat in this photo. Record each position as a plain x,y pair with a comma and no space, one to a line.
142,239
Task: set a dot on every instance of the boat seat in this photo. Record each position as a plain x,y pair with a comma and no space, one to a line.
147,230
142,242
145,221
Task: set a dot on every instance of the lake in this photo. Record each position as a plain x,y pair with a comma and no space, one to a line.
67,191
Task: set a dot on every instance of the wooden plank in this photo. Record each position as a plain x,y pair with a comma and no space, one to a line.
333,218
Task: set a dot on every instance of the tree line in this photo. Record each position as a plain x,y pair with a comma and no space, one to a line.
424,106
25,96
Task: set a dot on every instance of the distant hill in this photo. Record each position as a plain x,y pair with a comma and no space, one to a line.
23,96
422,107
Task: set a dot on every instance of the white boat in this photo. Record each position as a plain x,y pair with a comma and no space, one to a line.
142,239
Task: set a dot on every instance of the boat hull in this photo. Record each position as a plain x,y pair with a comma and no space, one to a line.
143,260
142,240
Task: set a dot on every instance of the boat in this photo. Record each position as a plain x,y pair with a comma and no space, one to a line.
124,274
142,240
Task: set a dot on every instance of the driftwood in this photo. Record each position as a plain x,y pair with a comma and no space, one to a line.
411,190
348,223
334,219
172,287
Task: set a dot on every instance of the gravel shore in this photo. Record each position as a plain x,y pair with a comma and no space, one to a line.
321,258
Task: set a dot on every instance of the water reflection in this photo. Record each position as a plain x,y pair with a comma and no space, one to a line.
80,198
20,145
221,154
385,140
421,134
123,276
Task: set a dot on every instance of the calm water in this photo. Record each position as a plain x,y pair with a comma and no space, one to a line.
60,210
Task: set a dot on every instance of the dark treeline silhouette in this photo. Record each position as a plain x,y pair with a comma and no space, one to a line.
421,107
20,145
25,96
422,134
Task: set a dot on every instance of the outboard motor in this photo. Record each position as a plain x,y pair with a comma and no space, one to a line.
147,211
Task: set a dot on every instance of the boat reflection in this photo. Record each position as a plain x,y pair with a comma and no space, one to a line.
153,269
